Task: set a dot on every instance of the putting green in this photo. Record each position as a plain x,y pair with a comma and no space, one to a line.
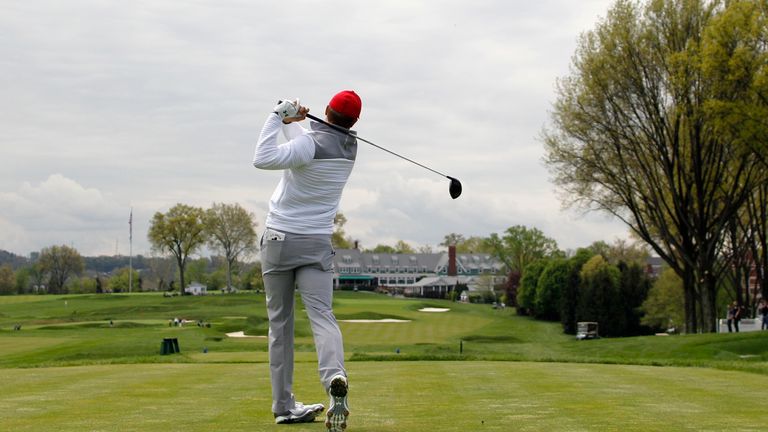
391,396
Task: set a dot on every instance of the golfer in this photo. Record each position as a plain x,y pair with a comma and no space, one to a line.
296,250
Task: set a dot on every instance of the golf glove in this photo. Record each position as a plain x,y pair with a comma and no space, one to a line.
286,108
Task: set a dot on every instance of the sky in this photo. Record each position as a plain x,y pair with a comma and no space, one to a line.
109,106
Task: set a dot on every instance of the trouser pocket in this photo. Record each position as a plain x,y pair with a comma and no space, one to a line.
327,260
271,249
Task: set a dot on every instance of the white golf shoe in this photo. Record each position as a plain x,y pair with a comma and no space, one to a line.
300,414
338,411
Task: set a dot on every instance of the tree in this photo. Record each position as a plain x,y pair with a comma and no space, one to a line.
738,243
526,293
59,263
22,280
633,289
549,288
600,297
425,249
473,244
37,276
601,248
569,299
521,246
621,251
339,238
383,249
402,247
119,282
511,286
180,231
7,280
253,278
633,136
664,308
198,270
452,239
218,279
161,272
230,229
82,285
757,211
734,58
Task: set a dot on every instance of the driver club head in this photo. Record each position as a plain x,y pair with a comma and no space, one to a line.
455,188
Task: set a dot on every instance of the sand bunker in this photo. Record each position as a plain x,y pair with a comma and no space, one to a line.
385,320
430,309
241,334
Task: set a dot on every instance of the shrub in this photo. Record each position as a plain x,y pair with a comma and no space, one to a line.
84,285
121,282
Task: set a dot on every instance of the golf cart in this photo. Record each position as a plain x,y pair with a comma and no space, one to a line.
586,330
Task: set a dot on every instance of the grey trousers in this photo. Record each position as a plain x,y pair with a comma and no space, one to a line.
290,261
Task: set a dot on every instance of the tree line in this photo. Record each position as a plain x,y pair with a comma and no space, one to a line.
227,229
602,282
663,123
593,285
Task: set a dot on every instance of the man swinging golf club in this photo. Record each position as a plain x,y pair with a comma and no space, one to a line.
296,250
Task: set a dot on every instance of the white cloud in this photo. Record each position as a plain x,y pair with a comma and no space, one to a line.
59,210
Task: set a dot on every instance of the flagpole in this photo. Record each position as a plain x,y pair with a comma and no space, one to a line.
130,251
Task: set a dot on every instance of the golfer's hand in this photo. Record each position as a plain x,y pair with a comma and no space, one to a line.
301,114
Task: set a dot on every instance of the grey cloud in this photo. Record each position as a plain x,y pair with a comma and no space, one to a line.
156,102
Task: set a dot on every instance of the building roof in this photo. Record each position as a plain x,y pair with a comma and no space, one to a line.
432,262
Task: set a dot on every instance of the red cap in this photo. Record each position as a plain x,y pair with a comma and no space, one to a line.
346,102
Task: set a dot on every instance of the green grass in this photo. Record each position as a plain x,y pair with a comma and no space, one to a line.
400,396
68,369
75,330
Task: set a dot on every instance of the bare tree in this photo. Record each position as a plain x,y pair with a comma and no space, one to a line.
59,263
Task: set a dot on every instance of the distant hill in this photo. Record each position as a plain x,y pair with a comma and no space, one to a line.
99,264
107,264
15,261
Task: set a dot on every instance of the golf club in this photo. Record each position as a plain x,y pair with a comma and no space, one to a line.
455,187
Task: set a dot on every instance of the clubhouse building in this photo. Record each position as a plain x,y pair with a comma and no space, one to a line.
417,274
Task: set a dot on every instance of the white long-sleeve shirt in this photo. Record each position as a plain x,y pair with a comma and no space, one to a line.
317,164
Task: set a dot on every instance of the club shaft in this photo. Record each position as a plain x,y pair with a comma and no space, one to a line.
341,129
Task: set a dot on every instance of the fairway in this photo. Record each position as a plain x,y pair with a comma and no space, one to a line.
92,363
392,396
